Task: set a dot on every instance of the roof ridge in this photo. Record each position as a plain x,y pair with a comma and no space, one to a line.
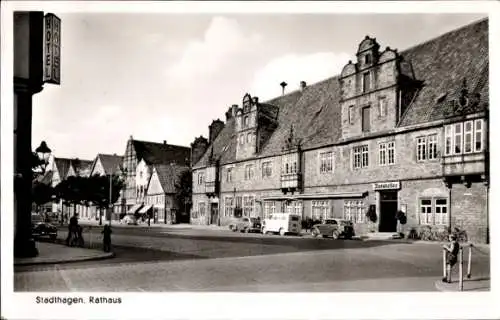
457,29
161,143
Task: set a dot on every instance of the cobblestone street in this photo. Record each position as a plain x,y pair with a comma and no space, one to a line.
198,260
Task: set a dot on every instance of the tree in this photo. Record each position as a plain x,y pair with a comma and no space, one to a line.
41,194
184,190
98,190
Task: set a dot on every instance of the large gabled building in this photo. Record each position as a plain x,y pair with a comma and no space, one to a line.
138,162
396,131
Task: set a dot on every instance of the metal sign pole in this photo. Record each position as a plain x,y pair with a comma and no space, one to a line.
469,262
444,264
461,269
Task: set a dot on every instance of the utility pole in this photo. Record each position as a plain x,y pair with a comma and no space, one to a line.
110,204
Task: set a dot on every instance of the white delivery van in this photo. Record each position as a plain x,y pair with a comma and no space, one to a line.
282,223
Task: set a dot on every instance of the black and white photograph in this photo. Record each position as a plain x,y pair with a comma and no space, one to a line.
244,152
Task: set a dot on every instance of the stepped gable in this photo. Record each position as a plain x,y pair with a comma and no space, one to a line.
161,153
441,64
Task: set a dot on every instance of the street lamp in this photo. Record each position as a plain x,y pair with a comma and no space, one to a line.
43,152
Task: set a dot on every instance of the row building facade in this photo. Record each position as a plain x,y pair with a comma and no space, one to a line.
394,132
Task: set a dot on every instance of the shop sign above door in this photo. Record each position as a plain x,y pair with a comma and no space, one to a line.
387,185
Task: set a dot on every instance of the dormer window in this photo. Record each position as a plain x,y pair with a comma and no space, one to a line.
368,59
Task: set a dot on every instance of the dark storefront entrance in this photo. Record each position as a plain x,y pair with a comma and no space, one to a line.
214,213
388,210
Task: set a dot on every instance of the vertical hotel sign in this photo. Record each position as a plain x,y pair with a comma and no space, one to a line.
52,49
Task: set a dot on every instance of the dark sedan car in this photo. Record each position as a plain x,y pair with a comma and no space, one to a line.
40,228
246,224
335,228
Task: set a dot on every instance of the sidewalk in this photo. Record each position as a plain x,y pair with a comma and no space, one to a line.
49,253
474,284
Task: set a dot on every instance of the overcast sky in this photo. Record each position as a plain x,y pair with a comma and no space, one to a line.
166,77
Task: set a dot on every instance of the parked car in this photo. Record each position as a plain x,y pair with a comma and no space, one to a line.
282,223
42,228
246,224
335,228
129,219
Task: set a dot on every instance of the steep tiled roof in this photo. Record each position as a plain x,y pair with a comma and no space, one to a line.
81,167
62,165
169,175
45,178
315,113
161,153
442,64
111,163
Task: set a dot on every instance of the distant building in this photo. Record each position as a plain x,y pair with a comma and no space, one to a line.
139,160
395,131
62,168
161,193
103,165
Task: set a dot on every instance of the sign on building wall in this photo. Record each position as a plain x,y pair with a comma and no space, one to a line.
386,185
52,49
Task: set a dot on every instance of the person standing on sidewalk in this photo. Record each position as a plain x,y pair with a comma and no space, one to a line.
451,256
106,239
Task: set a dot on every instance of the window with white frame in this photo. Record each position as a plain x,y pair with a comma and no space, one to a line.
242,138
434,211
468,135
245,122
432,147
427,147
326,162
448,136
360,159
382,107
382,154
248,206
464,137
293,207
200,178
229,174
289,163
267,169
354,210
269,208
249,173
457,141
249,137
478,135
228,206
386,152
320,209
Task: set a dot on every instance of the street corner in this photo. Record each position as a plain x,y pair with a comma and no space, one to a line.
50,253
477,284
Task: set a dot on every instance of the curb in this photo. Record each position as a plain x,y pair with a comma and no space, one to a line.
453,287
64,261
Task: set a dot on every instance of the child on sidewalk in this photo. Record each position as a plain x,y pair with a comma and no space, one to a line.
106,238
451,256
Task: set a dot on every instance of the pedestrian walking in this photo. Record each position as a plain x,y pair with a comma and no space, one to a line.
106,239
452,250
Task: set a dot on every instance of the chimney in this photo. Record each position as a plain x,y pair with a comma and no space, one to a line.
131,138
234,109
214,129
283,85
303,85
164,141
198,149
255,100
229,114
